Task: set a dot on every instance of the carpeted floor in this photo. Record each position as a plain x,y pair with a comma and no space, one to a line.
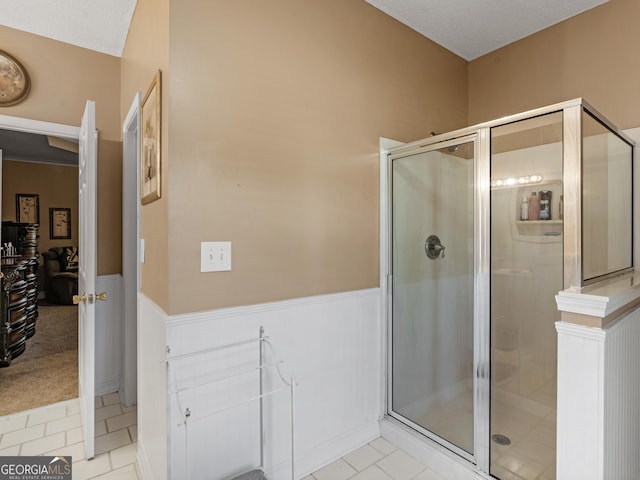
47,372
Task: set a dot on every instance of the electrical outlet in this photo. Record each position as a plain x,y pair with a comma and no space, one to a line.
215,256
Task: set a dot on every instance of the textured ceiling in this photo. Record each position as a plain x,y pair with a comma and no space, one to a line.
100,25
469,28
472,28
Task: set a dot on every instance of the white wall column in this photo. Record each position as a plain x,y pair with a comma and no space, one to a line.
599,381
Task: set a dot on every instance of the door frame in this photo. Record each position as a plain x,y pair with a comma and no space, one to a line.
481,292
131,254
19,124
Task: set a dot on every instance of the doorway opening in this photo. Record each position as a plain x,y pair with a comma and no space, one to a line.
40,227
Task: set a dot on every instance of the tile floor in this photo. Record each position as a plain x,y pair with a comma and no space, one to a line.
56,430
378,460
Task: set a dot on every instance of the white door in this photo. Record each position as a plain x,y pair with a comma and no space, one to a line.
87,274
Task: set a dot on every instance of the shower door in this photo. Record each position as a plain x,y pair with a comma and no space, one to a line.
432,322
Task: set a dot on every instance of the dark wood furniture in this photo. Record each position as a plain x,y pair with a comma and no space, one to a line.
18,290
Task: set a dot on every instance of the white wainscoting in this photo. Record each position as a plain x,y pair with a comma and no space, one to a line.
580,402
598,397
108,349
152,391
330,343
622,399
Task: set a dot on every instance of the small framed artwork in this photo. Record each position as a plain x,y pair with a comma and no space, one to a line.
27,208
59,223
150,146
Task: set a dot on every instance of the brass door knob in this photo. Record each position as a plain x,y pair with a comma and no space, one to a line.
79,298
101,296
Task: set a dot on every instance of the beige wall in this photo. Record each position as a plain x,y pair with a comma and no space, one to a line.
57,187
592,55
146,52
63,77
276,112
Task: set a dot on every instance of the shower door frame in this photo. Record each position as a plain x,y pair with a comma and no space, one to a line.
481,300
572,253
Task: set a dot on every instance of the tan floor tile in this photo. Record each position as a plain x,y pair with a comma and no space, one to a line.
363,457
100,428
382,446
130,408
108,412
44,444
85,469
372,473
111,441
503,473
111,399
47,414
10,451
63,424
75,451
133,432
429,475
122,421
401,466
73,408
521,465
20,436
12,423
124,455
98,402
74,435
125,473
338,470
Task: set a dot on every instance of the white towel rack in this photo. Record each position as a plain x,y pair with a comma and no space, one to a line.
286,385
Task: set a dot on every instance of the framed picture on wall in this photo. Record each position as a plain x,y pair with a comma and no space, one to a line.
150,146
14,81
27,208
59,223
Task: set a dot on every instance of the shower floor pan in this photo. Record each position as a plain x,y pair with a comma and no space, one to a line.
252,475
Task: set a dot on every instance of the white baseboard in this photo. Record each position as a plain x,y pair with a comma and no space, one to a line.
105,386
321,455
440,460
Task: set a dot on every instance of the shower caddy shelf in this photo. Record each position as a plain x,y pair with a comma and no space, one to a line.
545,230
286,385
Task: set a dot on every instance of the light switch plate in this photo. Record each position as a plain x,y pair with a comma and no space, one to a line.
215,256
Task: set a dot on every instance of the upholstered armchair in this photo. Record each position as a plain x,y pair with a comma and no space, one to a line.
61,274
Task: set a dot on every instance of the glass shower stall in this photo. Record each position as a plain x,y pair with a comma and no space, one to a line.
486,225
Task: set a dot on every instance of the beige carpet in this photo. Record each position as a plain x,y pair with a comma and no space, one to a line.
47,372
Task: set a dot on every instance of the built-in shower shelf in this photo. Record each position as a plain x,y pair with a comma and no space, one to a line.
547,228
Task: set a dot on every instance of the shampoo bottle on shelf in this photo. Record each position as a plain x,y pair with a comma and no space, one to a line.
534,206
524,209
545,205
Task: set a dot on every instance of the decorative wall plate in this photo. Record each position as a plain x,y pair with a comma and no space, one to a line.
14,80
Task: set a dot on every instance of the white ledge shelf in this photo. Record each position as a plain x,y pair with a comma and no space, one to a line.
604,300
552,229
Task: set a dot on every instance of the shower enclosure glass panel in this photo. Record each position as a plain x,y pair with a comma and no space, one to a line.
433,290
606,200
526,274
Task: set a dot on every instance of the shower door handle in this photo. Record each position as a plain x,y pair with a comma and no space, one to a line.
433,248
